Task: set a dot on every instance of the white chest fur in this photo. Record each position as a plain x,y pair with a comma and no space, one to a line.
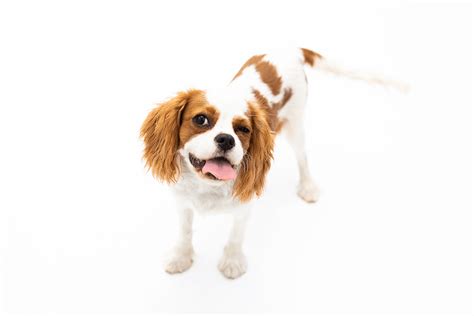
202,196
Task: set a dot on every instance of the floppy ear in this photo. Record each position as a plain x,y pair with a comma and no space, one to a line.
160,133
257,159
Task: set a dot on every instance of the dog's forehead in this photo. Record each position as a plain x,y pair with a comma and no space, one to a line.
229,102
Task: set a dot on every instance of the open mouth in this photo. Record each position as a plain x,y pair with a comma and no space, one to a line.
217,168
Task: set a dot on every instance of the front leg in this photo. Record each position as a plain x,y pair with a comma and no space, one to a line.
182,256
233,262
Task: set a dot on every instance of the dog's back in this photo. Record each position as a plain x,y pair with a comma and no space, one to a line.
277,82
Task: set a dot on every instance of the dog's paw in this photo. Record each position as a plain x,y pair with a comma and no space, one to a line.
179,262
233,265
308,191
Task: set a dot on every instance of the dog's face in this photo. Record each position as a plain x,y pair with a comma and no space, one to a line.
213,139
220,137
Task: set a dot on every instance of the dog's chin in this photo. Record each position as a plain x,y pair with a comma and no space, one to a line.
200,167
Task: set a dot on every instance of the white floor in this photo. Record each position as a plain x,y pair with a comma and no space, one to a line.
85,229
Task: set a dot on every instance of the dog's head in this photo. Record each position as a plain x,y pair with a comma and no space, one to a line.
220,137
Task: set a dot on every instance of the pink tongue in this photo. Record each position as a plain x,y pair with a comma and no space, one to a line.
222,170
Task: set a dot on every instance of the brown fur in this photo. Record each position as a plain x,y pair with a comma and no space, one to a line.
269,76
244,137
198,104
251,61
280,125
310,57
286,96
257,159
271,110
161,134
267,71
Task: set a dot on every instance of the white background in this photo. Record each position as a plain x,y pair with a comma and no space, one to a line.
84,228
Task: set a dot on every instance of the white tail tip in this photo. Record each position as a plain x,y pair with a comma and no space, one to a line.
330,67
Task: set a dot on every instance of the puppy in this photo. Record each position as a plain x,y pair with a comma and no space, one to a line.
215,146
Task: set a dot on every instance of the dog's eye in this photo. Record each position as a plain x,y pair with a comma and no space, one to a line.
242,129
201,120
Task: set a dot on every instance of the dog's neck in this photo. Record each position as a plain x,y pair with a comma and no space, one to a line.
203,195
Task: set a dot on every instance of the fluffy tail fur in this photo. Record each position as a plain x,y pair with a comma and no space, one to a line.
317,61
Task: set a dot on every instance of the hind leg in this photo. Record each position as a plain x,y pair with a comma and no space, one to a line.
307,189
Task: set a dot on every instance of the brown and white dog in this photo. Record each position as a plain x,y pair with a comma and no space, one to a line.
215,147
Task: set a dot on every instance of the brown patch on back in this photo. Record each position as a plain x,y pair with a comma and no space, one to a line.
267,71
251,61
286,96
269,76
271,109
310,56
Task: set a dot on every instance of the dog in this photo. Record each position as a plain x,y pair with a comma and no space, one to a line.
215,147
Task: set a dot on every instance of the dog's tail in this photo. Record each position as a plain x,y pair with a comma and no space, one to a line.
317,61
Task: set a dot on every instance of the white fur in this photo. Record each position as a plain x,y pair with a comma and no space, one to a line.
196,194
331,67
203,146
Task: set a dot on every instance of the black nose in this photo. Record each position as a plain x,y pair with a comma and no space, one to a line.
225,141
